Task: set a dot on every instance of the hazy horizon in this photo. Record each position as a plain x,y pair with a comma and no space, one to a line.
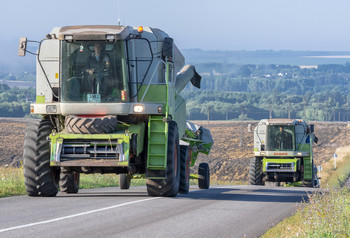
278,25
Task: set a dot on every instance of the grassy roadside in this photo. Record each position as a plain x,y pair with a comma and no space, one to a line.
12,181
327,212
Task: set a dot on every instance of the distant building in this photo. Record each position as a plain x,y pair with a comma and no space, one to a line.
308,66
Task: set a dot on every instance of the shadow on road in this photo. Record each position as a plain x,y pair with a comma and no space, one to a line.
103,194
248,195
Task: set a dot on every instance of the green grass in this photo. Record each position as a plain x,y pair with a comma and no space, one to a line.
338,177
105,180
327,212
11,181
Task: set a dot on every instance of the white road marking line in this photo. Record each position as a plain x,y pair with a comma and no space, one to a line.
76,215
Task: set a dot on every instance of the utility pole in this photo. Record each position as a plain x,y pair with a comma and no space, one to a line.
242,112
226,116
288,109
270,111
333,115
208,109
339,116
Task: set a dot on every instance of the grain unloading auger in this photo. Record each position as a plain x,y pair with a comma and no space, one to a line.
110,102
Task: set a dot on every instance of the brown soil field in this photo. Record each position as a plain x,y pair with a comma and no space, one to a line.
233,147
230,154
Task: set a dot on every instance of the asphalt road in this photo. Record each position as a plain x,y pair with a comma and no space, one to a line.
221,211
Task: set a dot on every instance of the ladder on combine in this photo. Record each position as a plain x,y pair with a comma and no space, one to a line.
157,146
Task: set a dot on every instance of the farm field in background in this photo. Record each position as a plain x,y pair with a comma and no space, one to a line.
229,157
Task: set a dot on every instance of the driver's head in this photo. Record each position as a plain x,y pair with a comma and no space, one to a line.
281,129
97,48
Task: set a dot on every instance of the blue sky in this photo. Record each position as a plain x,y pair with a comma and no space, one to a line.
209,25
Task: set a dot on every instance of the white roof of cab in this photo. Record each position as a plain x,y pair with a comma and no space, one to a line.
94,32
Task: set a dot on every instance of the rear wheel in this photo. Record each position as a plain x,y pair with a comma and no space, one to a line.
185,161
124,181
69,182
255,171
168,187
40,179
203,176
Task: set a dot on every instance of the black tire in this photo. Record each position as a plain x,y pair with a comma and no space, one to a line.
40,179
124,181
168,187
185,161
203,176
255,171
91,125
69,182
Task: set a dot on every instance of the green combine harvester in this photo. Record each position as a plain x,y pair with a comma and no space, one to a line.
283,153
110,102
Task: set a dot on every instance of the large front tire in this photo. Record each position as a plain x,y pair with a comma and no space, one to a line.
255,171
40,179
168,187
91,125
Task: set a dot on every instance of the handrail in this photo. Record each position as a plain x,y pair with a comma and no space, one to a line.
149,83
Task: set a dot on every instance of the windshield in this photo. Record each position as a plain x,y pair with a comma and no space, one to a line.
280,138
93,71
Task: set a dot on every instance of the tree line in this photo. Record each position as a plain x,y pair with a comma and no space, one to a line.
235,92
14,101
278,91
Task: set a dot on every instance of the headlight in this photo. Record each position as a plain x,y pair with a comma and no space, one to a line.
138,108
51,109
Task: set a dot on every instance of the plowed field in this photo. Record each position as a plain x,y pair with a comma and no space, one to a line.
230,155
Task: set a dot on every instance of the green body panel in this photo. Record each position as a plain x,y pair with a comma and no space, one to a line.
157,143
40,99
139,130
295,161
155,93
121,138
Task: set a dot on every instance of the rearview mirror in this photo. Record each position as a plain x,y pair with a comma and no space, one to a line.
22,46
167,50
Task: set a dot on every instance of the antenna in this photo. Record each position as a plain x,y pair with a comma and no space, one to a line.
118,12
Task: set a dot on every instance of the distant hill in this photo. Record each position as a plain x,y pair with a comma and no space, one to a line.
11,63
282,57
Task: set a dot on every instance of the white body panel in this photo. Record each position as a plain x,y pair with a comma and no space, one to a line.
49,58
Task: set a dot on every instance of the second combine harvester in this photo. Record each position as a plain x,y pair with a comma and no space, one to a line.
283,152
110,102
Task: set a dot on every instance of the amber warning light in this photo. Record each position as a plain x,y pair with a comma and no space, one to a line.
123,95
140,29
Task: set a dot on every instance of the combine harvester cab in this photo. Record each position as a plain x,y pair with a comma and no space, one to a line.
110,101
283,153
